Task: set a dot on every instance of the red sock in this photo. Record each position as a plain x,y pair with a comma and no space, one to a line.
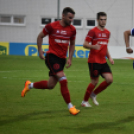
101,87
40,85
88,91
64,91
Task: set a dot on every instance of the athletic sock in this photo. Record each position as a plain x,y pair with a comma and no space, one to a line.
30,85
40,85
101,87
93,94
88,91
70,105
64,90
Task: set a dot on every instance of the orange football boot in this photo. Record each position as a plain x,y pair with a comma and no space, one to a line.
74,111
26,88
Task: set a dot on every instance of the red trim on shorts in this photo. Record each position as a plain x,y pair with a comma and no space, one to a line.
92,68
91,71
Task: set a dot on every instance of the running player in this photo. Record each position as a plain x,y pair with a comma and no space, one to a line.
128,33
60,33
97,41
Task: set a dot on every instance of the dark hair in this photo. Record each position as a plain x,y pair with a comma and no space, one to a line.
101,14
68,9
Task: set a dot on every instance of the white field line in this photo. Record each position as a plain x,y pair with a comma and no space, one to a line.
6,77
79,76
25,78
36,70
67,70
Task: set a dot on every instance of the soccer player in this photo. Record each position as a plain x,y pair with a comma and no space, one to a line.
61,33
128,33
97,40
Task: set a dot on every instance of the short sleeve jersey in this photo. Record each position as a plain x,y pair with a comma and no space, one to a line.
59,38
96,35
132,31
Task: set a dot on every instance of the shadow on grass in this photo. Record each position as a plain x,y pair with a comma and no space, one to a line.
103,125
30,116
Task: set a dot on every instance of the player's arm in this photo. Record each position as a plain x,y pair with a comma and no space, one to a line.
71,52
88,45
89,38
39,44
109,57
127,34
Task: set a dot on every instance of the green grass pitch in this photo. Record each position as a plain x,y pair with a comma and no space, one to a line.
45,112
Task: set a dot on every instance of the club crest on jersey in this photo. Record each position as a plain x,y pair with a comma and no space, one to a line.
99,35
57,31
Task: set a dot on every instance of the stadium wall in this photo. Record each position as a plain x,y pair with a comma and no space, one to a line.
119,13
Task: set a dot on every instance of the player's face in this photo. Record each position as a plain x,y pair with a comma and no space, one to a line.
102,21
68,18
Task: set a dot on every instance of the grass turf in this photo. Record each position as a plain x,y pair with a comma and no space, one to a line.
45,112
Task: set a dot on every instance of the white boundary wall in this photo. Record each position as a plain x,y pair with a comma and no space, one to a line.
120,18
119,52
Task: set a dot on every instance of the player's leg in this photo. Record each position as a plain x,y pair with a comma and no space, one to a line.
65,92
107,75
52,82
44,84
56,66
108,80
89,90
94,75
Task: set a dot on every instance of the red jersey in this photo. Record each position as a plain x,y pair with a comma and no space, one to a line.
96,35
59,38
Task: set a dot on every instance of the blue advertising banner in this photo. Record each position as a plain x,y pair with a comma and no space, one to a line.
27,49
30,49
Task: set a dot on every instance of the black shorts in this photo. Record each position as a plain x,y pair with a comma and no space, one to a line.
54,63
97,69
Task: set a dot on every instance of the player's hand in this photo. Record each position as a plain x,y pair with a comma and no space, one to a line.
97,46
111,61
69,63
41,54
129,50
